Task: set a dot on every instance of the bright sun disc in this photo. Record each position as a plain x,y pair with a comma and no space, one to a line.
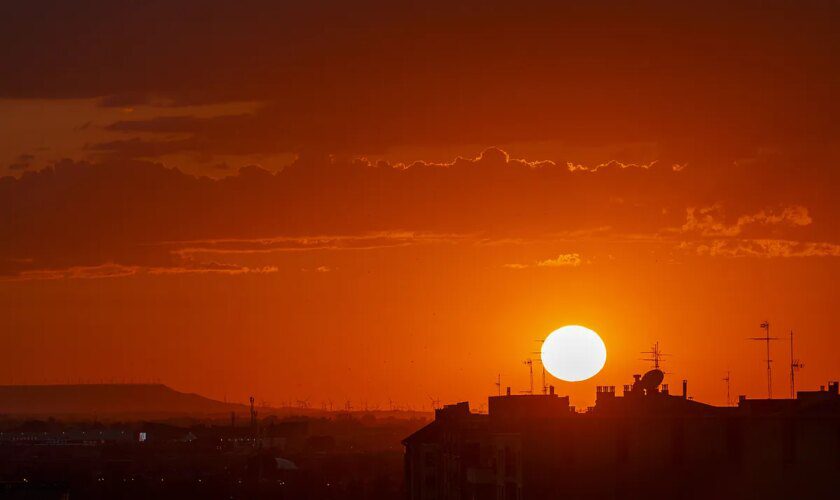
573,353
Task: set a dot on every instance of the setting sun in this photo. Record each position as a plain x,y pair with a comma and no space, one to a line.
573,353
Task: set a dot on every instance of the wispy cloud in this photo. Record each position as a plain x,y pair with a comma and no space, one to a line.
761,234
368,241
119,271
576,167
762,248
562,260
711,221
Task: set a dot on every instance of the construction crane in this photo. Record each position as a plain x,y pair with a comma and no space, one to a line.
766,339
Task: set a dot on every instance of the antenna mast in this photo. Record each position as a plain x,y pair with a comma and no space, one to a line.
499,384
655,354
766,339
544,385
795,364
530,364
727,379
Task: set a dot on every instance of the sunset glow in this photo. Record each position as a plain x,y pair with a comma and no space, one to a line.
360,201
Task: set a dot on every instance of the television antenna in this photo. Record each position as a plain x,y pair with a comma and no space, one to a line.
766,339
530,363
435,402
728,380
656,355
795,365
544,383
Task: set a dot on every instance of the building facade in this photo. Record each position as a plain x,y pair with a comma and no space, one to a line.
643,443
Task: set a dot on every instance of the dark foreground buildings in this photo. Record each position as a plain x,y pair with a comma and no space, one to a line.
646,443
339,456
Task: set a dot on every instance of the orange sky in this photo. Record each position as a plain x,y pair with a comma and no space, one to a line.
377,201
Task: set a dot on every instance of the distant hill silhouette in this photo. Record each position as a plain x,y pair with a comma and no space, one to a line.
147,401
106,399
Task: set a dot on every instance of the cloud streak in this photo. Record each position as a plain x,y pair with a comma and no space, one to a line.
715,237
762,248
710,221
562,260
120,271
73,218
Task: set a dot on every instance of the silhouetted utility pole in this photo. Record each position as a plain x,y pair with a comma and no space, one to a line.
253,413
254,425
766,339
795,364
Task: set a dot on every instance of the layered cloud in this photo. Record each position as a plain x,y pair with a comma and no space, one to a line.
763,248
127,217
758,234
366,76
710,221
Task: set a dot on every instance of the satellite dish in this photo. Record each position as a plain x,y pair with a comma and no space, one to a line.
651,380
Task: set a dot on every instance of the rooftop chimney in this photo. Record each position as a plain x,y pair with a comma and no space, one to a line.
685,389
551,390
507,392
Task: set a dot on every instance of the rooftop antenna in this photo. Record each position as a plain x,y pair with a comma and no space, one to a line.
766,339
655,354
435,403
795,365
530,364
499,384
544,385
728,379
